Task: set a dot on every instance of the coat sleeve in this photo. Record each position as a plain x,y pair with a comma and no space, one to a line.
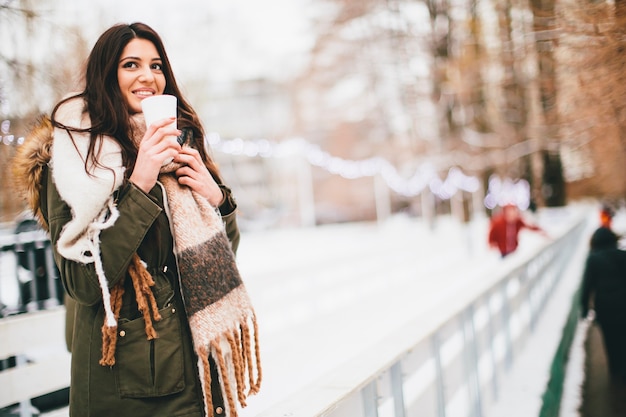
118,243
587,287
228,210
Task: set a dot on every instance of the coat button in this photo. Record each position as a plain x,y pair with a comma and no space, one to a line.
122,333
173,310
165,268
219,410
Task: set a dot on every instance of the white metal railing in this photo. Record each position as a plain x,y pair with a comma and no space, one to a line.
26,260
449,363
36,341
34,360
446,364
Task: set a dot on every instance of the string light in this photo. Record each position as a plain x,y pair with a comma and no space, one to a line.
7,138
500,192
423,177
506,191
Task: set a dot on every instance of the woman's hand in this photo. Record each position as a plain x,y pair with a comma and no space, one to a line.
195,175
158,144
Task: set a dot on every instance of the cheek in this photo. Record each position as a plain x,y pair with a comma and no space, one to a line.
160,82
123,83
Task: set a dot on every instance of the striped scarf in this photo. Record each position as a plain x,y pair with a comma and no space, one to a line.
221,317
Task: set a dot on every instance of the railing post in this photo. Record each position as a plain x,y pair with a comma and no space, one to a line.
492,338
32,305
53,296
506,318
25,408
441,397
471,361
397,390
369,393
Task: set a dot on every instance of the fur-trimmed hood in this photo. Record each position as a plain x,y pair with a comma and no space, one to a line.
28,165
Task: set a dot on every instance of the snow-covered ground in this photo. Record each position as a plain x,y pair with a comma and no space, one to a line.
325,294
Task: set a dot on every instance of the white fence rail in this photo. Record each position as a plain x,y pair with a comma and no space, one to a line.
34,361
30,279
446,364
449,363
37,342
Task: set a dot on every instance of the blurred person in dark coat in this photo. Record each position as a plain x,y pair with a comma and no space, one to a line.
505,227
604,291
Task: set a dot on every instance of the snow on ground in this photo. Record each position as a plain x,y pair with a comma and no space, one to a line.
335,290
326,294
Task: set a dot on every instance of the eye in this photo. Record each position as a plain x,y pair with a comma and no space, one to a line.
129,64
157,66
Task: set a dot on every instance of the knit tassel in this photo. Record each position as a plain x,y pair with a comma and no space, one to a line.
239,364
257,354
142,281
233,355
146,303
226,382
109,333
203,355
255,385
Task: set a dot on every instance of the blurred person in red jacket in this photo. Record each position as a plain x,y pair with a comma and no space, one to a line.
505,227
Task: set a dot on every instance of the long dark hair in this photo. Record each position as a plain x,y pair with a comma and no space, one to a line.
107,109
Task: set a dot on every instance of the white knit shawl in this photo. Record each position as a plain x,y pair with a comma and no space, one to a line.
89,196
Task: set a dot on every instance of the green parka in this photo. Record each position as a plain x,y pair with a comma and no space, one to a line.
151,377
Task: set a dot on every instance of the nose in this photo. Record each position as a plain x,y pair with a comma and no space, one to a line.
146,74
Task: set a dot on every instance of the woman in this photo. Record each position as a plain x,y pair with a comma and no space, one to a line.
604,290
163,325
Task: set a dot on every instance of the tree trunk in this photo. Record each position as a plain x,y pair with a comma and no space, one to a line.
544,25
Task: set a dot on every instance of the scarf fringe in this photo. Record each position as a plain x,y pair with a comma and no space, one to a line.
233,355
203,356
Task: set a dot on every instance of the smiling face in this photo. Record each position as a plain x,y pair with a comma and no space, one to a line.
139,73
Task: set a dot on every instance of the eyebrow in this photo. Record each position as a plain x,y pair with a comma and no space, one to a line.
136,58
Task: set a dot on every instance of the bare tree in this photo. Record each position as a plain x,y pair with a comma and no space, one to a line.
38,60
552,190
594,87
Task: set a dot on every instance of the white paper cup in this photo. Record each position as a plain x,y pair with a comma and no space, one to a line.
157,108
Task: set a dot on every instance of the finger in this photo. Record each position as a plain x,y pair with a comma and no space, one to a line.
157,152
162,122
187,180
189,159
166,140
153,137
191,153
194,184
159,143
154,126
186,171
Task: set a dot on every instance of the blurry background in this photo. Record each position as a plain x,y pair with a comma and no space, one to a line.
324,111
